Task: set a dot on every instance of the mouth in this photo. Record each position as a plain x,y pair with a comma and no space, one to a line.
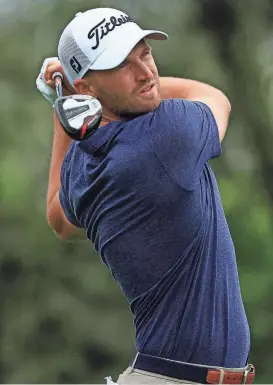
147,89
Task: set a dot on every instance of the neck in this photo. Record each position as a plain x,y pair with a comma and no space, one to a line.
108,117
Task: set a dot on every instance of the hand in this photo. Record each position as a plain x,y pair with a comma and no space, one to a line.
55,66
46,85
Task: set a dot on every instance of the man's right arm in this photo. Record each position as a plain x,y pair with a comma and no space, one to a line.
192,90
56,217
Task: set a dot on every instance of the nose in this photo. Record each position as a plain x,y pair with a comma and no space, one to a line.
143,72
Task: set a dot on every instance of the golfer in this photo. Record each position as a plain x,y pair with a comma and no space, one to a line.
142,191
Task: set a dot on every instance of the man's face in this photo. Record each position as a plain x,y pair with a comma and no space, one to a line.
131,89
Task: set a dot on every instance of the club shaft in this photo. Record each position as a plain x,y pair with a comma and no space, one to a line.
58,78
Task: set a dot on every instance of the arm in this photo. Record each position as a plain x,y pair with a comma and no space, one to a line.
195,91
55,214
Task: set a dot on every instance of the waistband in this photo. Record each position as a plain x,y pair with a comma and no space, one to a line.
192,372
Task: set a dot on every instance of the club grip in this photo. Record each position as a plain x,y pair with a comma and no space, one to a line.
58,78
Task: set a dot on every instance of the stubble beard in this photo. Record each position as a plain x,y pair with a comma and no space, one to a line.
123,107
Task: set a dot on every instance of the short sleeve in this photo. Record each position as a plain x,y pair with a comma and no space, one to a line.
184,136
63,196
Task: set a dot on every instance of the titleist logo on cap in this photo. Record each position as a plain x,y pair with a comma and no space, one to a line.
102,28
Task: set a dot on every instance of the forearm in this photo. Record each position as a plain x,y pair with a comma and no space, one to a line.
55,214
60,146
179,88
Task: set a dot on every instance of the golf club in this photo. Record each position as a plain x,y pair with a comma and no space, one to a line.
79,115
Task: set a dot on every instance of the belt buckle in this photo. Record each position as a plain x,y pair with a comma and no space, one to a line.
246,372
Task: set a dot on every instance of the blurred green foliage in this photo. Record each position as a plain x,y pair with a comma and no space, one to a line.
63,318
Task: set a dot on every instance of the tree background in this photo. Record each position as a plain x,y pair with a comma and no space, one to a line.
63,318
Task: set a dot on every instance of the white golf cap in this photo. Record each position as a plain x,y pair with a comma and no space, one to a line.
99,39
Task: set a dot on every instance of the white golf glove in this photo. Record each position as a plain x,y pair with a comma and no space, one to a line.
45,90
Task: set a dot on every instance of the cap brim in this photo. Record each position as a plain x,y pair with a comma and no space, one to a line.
114,56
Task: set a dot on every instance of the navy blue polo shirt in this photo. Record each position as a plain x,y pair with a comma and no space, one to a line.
148,199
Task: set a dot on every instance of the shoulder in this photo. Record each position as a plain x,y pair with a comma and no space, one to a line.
181,109
178,113
182,106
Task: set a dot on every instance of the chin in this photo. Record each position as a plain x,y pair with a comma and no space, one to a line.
141,109
153,105
148,107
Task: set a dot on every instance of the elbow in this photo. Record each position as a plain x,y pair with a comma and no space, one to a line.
62,236
57,220
226,102
224,121
60,232
228,110
56,223
64,230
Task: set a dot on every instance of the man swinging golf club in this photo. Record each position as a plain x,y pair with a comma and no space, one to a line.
141,189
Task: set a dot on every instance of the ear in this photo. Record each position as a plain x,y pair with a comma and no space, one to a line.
83,87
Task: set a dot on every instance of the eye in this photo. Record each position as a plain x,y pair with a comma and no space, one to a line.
147,54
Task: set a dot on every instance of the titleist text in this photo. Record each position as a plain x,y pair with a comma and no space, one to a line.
102,28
